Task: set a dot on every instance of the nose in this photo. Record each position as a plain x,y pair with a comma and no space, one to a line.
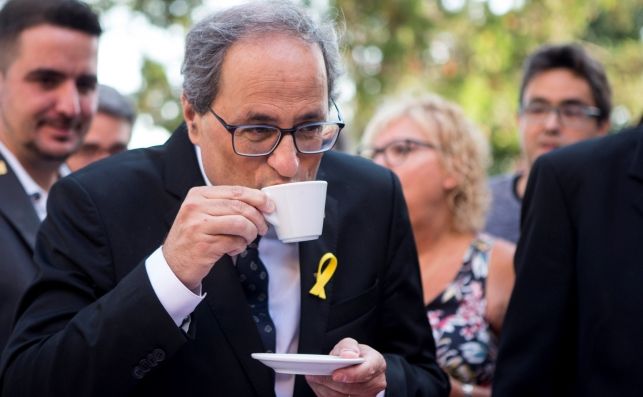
284,159
552,122
381,160
68,102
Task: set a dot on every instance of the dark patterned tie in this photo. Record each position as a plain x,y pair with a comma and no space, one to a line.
254,281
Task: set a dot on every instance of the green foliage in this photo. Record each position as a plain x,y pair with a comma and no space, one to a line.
474,57
467,54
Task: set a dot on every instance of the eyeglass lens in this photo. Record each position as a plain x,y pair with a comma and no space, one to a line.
569,114
309,138
396,152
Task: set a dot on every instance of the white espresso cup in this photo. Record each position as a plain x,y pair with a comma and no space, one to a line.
299,210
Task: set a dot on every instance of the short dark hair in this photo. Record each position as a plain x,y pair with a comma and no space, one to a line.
19,15
574,58
115,104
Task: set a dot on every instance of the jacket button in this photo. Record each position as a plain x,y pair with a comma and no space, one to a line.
145,365
159,355
138,372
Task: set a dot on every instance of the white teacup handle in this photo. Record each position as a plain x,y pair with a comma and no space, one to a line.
272,218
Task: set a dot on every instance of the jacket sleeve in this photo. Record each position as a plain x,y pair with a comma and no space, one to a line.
101,336
537,344
414,370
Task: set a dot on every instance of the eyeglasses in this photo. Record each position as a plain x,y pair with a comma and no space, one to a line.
395,152
255,140
569,114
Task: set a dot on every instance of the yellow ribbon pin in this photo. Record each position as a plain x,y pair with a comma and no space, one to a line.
324,276
3,167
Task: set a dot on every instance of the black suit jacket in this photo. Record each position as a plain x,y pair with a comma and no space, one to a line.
91,325
18,227
574,326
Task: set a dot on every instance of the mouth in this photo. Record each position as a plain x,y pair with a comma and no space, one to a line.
547,147
61,130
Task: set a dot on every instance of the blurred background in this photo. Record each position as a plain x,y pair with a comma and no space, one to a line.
469,51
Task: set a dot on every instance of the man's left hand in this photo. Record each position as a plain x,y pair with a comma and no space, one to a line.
365,379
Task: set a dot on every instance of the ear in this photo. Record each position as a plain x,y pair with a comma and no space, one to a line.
191,118
450,182
604,127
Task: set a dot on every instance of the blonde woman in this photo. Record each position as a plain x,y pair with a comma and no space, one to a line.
467,276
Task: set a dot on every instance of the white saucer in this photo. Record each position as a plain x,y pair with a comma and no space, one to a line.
305,364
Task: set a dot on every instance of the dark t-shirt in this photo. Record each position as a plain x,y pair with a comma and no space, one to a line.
503,219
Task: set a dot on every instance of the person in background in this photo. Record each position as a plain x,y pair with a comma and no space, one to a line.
110,131
574,324
48,61
565,98
150,264
467,276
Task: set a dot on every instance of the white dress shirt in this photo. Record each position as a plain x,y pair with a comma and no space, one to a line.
37,194
284,301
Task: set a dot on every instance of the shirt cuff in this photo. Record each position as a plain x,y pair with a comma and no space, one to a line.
177,299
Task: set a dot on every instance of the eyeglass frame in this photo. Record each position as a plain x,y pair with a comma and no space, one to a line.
232,128
383,150
588,112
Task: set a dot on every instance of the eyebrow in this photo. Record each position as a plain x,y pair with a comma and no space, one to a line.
39,73
42,72
256,117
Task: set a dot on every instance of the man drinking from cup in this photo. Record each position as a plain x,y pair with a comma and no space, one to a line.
153,281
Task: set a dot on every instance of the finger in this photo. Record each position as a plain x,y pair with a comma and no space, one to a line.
230,225
227,200
325,386
253,197
346,348
222,207
321,385
373,367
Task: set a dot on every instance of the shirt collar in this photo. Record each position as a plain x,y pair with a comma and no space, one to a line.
28,184
199,159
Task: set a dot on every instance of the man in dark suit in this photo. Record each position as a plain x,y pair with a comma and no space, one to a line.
47,99
574,324
141,292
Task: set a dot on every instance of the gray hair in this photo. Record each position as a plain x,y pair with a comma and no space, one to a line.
208,41
113,103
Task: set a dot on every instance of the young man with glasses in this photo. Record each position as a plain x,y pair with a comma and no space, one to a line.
144,287
564,98
574,323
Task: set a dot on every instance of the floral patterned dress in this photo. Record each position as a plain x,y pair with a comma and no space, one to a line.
466,346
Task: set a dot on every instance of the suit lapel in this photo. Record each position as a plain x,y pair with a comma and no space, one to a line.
636,173
314,310
228,305
225,298
181,169
16,206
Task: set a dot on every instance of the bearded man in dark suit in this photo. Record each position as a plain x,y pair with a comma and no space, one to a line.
574,324
139,293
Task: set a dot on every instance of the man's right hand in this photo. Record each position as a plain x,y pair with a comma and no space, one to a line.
213,221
